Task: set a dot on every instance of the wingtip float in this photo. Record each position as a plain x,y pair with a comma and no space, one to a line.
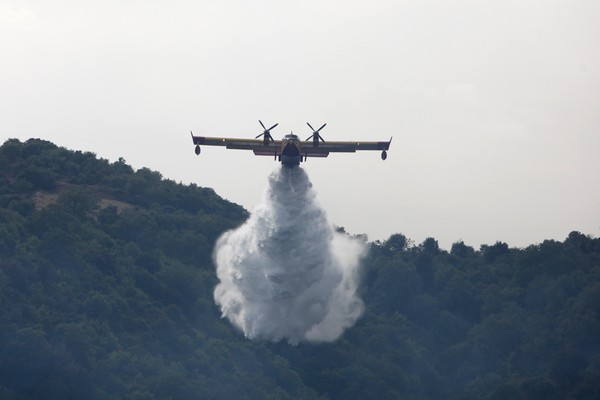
290,151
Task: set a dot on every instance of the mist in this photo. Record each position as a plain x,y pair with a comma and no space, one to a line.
286,274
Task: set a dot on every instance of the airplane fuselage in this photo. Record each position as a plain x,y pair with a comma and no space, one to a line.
290,155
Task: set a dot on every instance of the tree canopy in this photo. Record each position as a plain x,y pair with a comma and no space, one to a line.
106,291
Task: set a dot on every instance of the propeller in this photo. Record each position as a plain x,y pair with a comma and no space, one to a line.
315,133
267,132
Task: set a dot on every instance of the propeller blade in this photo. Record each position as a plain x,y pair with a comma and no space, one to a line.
262,124
322,126
259,136
311,128
310,137
273,126
322,140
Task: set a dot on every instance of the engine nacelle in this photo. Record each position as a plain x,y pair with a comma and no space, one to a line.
197,150
383,155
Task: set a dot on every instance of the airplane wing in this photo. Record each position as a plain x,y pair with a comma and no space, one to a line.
290,150
258,146
323,149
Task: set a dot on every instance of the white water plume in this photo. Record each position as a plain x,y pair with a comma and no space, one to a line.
286,273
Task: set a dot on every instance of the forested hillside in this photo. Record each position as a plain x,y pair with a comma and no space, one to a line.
106,292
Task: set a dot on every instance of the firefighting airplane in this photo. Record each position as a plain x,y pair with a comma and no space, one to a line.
291,151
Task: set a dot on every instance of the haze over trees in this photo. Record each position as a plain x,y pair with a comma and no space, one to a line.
106,291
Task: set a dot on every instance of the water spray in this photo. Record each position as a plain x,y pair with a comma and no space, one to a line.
286,274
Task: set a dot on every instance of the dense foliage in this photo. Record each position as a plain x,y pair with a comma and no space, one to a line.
106,286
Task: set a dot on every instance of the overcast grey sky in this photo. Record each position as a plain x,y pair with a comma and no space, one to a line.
493,105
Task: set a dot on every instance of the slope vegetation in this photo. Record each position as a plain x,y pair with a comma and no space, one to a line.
106,291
